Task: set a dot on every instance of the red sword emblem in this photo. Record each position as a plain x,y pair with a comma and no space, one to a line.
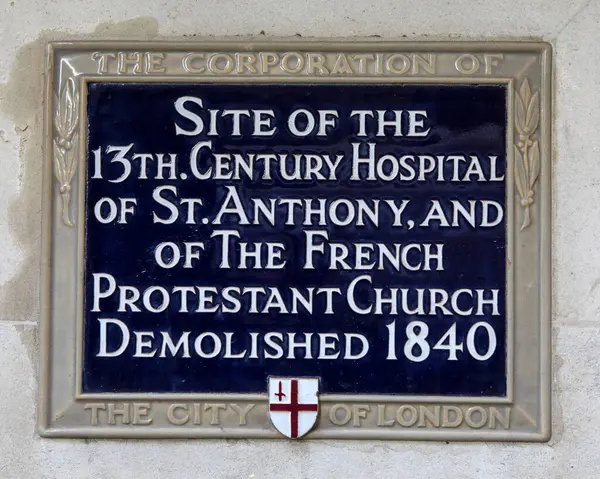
294,408
280,394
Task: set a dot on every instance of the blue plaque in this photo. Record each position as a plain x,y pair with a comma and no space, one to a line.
296,230
338,240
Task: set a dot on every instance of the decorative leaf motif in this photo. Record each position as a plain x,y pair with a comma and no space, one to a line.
525,91
520,111
533,114
59,161
526,148
534,164
57,118
72,164
64,106
520,176
66,120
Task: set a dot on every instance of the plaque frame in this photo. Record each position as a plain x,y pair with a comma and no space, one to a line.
523,67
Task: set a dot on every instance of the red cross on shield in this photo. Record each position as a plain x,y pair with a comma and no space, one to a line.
293,405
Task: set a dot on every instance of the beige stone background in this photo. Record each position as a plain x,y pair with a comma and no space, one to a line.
573,28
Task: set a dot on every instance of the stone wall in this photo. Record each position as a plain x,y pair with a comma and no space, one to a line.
572,27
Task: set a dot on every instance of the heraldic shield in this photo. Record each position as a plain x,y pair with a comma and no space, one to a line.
293,405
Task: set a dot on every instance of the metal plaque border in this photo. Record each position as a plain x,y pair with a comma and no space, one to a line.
60,408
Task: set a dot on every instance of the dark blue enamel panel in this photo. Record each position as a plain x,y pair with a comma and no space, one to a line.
464,120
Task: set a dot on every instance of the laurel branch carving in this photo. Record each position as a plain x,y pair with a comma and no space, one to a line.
527,148
66,121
